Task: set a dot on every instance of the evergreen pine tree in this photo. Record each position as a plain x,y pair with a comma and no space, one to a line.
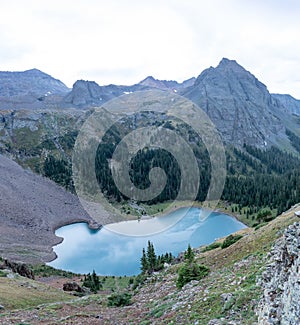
189,255
144,262
151,257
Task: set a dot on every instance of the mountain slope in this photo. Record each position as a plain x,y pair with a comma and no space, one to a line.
32,207
28,82
289,102
28,89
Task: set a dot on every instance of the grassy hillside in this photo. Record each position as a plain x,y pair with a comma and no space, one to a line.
23,293
228,293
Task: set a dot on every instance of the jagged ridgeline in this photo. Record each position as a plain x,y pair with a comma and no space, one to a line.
150,157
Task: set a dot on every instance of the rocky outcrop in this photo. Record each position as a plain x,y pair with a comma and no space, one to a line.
72,286
19,268
85,93
281,281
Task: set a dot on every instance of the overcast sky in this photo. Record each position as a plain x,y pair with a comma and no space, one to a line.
123,41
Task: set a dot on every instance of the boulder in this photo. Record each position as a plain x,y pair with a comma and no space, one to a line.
72,286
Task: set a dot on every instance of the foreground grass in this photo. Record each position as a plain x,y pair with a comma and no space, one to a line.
21,292
108,283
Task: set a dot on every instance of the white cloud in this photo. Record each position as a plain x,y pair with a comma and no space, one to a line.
124,41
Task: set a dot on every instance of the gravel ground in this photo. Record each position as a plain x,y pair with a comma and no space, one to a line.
31,208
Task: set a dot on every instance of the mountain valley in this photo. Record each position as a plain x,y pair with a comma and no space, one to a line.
40,119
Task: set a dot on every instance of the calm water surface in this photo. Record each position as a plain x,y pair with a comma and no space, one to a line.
109,253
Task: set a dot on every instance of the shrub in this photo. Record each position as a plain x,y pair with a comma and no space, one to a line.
130,281
256,227
2,274
138,280
229,240
211,247
119,299
190,269
264,215
189,272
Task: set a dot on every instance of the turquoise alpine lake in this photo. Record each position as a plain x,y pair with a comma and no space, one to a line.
110,253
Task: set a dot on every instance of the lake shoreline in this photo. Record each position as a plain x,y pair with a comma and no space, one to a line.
93,225
108,247
196,204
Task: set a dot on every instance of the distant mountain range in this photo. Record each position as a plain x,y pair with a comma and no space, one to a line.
241,106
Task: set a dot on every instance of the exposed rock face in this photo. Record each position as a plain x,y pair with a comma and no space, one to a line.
281,281
87,93
289,102
23,132
240,106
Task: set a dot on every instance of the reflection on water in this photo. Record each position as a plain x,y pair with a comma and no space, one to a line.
109,253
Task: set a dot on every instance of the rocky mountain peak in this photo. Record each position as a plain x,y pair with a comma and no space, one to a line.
36,72
238,103
84,92
30,82
153,83
229,64
148,79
